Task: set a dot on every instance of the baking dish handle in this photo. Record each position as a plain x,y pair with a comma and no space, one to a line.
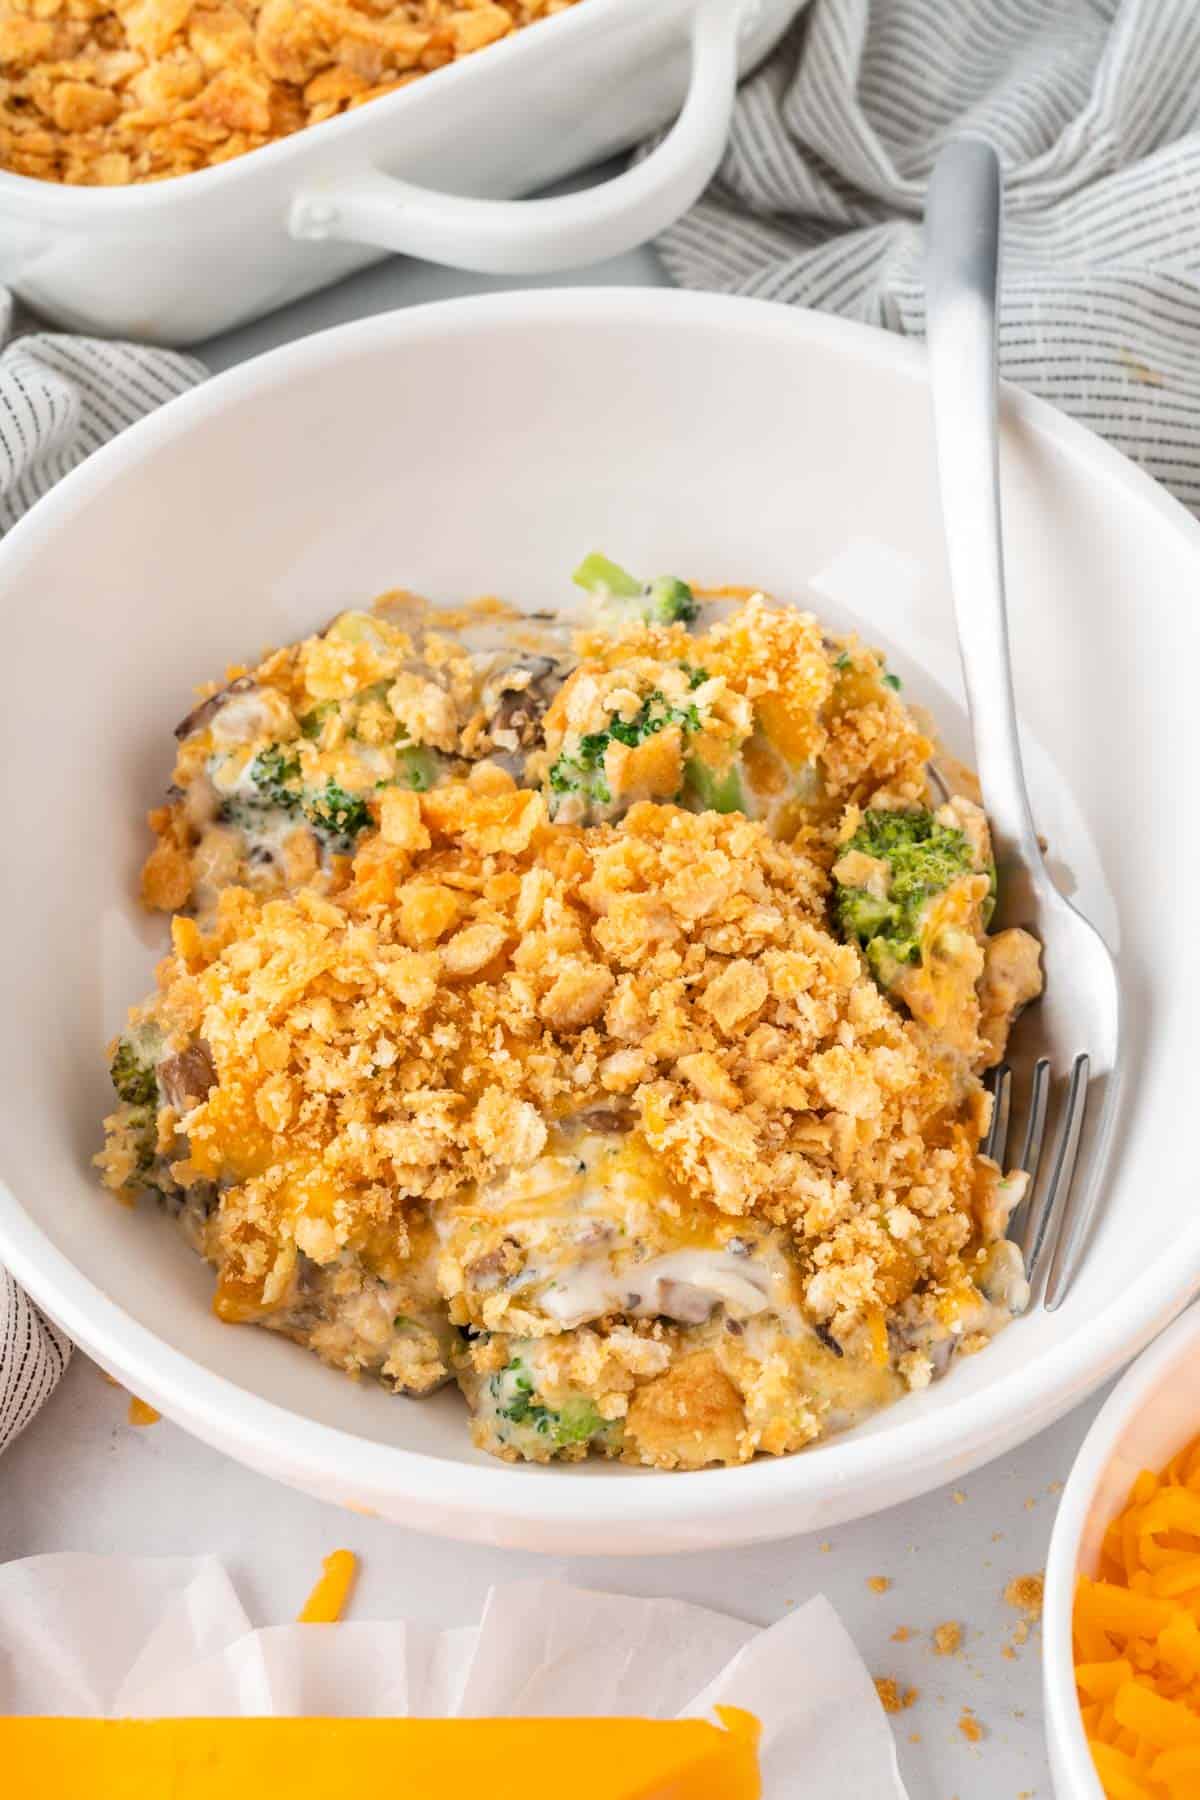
534,237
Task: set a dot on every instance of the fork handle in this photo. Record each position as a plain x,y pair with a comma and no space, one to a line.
963,213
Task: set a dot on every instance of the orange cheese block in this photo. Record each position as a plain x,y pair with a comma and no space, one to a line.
420,1759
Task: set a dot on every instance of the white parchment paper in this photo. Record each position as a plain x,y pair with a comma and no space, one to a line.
158,1637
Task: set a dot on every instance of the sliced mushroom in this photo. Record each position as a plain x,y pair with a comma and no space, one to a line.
201,715
905,1336
516,697
609,1121
185,1080
490,1270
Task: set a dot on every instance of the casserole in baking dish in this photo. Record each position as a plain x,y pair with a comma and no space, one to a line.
174,261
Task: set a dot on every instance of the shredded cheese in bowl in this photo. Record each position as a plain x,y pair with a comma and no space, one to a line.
598,1024
1137,1640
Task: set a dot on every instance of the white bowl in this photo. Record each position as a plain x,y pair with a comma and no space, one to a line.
483,445
1150,1414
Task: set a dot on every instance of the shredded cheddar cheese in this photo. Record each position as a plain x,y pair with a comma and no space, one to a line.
1137,1640
327,1601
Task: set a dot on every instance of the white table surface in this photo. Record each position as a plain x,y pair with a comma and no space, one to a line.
82,1478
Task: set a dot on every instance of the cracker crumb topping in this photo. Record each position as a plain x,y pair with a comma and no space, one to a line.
107,92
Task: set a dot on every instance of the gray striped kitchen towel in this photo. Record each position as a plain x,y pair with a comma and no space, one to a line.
1094,108
60,397
33,1354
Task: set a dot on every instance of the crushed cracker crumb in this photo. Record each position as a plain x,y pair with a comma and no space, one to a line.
1025,1593
103,93
893,1696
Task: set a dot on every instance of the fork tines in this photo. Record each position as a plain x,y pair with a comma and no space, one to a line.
1037,1220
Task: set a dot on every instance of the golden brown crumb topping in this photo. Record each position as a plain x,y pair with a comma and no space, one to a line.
486,972
105,92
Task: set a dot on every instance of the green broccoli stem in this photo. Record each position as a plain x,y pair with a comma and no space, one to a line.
713,790
664,601
600,576
516,1401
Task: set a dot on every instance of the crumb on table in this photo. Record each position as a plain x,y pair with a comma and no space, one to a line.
947,1638
893,1698
1025,1593
969,1726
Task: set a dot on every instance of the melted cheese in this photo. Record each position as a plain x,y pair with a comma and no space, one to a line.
596,1227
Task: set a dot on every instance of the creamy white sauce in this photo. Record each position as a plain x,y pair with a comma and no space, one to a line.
253,714
684,1285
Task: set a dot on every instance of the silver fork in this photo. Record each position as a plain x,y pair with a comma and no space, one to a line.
1070,1039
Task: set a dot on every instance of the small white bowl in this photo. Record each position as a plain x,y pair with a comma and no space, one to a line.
1150,1415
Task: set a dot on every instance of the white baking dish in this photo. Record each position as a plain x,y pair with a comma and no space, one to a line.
174,261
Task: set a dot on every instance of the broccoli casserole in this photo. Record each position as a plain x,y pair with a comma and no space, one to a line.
105,92
594,1019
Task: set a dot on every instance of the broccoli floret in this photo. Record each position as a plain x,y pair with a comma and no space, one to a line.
923,857
583,773
337,815
273,772
862,914
654,716
671,602
417,768
513,1391
133,1065
664,601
